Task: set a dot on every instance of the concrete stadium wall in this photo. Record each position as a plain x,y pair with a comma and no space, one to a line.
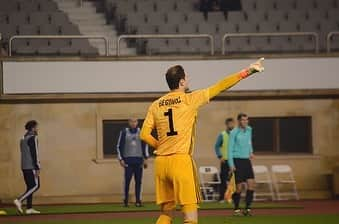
148,76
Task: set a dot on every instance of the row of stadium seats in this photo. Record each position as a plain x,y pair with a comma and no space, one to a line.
27,5
40,17
247,5
236,17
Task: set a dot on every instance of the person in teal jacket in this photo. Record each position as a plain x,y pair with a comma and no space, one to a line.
240,154
221,150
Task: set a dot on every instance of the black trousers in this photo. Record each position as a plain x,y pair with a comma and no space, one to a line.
32,182
224,176
136,170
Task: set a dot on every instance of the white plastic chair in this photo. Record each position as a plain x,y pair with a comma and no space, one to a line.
208,182
282,175
263,178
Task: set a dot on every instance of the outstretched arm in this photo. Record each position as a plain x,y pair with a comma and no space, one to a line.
233,79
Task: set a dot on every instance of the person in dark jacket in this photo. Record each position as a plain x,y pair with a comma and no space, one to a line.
30,166
132,155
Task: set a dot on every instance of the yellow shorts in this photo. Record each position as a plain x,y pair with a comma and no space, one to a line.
176,180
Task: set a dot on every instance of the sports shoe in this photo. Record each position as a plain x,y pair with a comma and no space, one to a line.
247,212
32,211
221,201
18,206
138,204
237,212
126,204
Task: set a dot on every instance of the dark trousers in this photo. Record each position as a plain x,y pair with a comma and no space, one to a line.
224,176
135,169
32,185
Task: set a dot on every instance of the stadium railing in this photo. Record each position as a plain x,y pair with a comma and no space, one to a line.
105,39
166,36
328,40
313,34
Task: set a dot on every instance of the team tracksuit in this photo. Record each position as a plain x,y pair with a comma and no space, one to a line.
132,151
29,165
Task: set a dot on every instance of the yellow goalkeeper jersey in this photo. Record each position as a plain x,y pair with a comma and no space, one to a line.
174,118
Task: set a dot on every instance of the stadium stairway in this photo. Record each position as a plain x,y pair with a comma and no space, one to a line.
91,22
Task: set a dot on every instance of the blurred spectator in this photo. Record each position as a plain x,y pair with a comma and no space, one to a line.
230,5
209,5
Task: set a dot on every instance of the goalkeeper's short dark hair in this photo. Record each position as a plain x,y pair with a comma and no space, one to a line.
173,76
31,124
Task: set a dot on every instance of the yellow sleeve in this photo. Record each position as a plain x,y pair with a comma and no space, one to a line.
147,128
199,97
226,83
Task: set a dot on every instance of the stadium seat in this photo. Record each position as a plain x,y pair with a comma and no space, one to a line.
209,177
263,181
283,175
175,17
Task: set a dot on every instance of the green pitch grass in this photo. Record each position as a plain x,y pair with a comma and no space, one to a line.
102,208
307,219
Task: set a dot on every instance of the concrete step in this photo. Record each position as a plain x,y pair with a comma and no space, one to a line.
79,11
87,17
89,22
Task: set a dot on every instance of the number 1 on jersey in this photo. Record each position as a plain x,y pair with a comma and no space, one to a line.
172,132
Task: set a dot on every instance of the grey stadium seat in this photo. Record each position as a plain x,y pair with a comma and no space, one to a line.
248,27
288,26
78,47
175,17
188,28
248,5
53,47
155,46
146,29
286,5
49,29
256,16
47,6
18,18
268,27
207,28
164,6
199,45
69,29
59,18
277,16
297,15
28,30
167,29
235,16
8,6
215,17
264,5
227,27
183,6
157,18
195,17
39,18
145,6
134,19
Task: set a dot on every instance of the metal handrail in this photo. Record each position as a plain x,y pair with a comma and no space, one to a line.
165,36
328,40
58,37
228,35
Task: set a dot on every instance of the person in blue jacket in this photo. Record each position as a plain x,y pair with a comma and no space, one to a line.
240,154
